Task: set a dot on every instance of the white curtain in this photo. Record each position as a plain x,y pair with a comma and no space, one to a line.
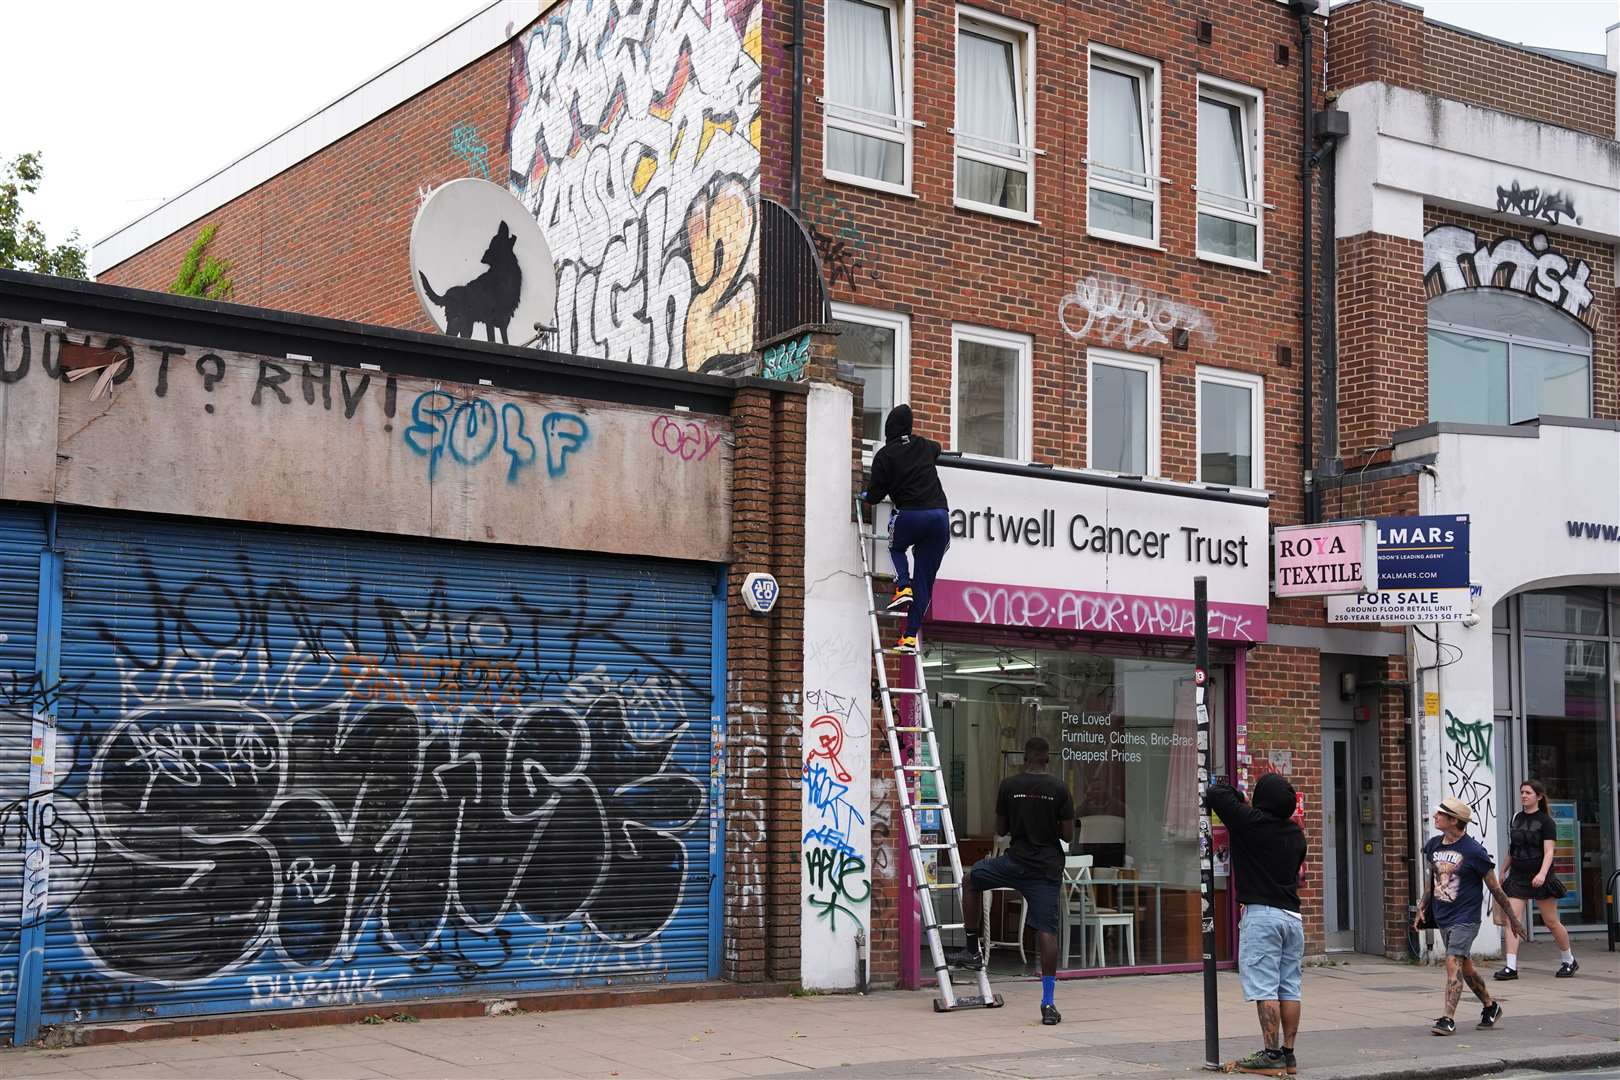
986,106
860,73
1116,124
1220,155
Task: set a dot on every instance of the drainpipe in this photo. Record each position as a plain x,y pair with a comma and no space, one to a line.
796,151
1331,125
1302,10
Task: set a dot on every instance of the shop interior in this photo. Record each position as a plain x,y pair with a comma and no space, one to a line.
1122,730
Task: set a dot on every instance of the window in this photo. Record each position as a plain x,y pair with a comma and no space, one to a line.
1123,410
1231,428
868,107
994,94
1230,190
1122,159
990,378
878,345
1496,357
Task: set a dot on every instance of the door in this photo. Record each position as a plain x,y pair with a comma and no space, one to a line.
340,770
1339,839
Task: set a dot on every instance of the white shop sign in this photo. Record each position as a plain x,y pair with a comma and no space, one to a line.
1401,607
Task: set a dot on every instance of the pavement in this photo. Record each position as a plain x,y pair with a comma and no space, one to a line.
1364,1018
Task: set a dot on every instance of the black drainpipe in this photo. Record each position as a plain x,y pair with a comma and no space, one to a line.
1302,11
1330,304
796,165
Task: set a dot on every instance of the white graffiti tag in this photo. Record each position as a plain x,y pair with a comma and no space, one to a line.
1121,312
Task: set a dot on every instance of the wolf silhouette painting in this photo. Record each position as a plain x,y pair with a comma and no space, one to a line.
490,298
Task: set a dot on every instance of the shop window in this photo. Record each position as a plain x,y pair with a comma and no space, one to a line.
1564,611
1122,156
995,90
1231,428
990,378
877,344
1122,409
1230,188
1497,357
868,101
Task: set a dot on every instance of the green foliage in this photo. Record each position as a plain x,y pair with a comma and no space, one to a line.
200,273
22,241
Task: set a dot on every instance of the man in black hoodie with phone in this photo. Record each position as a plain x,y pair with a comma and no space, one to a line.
1268,848
903,470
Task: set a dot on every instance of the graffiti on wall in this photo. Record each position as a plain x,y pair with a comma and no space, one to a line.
466,145
398,792
1534,202
1455,258
1469,775
836,879
1120,312
787,361
843,248
634,136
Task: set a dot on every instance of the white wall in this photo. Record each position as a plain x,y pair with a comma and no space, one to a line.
1519,492
838,861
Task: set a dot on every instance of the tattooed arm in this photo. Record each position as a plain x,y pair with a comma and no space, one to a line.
1423,904
1495,888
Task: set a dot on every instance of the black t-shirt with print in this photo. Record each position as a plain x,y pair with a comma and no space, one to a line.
1525,840
1034,805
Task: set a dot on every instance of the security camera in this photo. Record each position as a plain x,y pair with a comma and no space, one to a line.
1470,619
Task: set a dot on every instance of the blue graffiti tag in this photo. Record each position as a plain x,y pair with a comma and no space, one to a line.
468,432
827,796
827,836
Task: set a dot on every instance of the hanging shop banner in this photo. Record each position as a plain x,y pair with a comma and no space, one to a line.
1401,607
1426,552
1324,560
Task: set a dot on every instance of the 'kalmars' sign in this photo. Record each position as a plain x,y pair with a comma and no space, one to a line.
1425,552
1324,560
1063,552
1401,607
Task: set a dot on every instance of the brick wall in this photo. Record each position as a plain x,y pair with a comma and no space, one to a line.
765,675
331,235
1394,707
1389,41
1383,344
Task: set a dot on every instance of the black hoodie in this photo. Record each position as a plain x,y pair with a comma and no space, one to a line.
1268,848
903,468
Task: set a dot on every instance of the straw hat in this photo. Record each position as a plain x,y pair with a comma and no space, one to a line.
1457,809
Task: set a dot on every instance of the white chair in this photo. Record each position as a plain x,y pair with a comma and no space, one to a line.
1013,897
1081,902
1073,907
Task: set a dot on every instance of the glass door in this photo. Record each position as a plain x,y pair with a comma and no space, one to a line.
1338,840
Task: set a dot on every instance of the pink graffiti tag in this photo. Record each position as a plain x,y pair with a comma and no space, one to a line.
831,740
687,440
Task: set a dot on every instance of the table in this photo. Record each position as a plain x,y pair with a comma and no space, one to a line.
1094,883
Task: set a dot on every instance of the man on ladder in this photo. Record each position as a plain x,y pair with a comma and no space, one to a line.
903,470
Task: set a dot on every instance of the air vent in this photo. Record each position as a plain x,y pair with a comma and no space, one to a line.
1282,55
1206,31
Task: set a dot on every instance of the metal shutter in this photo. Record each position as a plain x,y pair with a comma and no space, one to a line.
334,770
22,535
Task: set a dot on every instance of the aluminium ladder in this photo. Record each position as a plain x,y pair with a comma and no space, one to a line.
912,804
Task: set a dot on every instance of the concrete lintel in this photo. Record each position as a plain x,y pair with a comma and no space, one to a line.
1338,639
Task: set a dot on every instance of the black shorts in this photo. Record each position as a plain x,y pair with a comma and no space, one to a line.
1039,892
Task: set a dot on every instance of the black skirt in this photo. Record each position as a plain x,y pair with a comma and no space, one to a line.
1523,890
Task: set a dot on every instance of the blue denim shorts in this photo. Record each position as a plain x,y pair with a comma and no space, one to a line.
1271,951
1006,872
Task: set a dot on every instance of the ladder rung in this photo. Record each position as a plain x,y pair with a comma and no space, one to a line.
947,926
919,768
885,613
930,847
881,651
939,886
926,806
912,690
873,535
911,727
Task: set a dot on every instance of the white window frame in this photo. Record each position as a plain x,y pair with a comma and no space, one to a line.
889,320
1024,345
1251,104
1141,67
1256,385
1131,361
1020,158
849,118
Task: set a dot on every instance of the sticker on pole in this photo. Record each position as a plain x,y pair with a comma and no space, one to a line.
759,593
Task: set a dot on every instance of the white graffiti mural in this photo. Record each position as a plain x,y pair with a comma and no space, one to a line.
1455,258
1121,312
634,138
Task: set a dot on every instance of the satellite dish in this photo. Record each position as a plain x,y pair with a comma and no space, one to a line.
480,265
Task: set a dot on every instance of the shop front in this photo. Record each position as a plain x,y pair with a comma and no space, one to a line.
1064,609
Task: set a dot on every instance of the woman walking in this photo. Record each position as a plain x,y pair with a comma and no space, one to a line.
1531,841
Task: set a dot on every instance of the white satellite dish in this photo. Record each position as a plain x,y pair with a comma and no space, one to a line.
480,265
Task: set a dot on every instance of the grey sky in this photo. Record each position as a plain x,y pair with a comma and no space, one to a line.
134,102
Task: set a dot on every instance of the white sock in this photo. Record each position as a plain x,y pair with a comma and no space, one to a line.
1512,961
1567,956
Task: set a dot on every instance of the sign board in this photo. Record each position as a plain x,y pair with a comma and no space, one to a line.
1426,552
1567,851
1065,552
1401,607
480,265
1431,704
1324,560
759,593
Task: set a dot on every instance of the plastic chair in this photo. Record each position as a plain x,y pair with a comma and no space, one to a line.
1080,901
1013,896
1073,909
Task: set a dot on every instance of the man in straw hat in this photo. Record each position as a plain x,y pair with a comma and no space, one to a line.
1460,869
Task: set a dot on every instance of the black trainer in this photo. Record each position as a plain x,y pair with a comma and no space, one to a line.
1567,971
1505,974
1490,1014
972,959
1290,1061
1444,1025
1050,1015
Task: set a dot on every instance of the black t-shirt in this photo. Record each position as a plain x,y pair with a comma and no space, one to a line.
1034,805
1525,840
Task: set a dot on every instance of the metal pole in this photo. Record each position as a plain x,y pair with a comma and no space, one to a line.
1206,851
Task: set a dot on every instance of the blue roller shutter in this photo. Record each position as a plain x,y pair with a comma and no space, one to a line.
333,770
22,536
